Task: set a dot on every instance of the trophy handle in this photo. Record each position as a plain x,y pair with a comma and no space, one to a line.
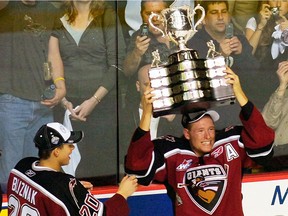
198,7
151,23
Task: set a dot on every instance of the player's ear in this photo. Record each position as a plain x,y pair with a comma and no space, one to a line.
186,133
55,152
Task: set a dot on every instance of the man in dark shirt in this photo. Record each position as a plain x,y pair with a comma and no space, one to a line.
235,48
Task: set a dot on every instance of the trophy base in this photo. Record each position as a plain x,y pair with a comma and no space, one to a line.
190,85
193,106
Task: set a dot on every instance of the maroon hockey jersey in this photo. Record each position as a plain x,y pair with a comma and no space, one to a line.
34,190
207,185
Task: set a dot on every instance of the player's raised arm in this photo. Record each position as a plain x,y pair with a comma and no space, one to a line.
233,79
147,100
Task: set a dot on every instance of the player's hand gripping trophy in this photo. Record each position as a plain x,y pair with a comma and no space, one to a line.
178,22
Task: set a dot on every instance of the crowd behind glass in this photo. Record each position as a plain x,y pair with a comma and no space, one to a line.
103,162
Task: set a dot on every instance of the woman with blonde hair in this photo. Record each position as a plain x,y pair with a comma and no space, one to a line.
89,45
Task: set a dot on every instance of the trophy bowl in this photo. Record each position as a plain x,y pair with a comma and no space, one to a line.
178,23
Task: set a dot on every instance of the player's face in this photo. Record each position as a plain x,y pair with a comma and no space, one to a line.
216,18
64,153
201,135
155,7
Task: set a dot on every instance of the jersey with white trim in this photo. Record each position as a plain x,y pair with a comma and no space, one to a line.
34,190
207,185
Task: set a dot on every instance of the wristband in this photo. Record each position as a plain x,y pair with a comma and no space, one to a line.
58,79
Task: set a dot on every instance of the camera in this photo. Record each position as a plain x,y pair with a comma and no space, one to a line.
144,29
275,11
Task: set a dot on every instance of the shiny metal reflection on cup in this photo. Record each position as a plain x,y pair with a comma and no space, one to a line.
178,23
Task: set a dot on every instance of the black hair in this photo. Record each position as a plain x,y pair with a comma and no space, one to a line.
46,153
168,3
205,4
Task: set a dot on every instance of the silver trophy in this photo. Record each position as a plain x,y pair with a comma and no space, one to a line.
178,23
186,83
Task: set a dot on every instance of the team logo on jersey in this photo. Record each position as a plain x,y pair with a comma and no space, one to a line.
217,152
170,138
229,128
205,186
30,173
184,165
166,137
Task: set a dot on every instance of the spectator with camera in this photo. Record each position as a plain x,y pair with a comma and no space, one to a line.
147,39
142,43
264,34
259,29
227,41
233,46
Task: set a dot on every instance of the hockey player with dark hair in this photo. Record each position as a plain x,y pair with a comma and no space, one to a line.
37,186
203,169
